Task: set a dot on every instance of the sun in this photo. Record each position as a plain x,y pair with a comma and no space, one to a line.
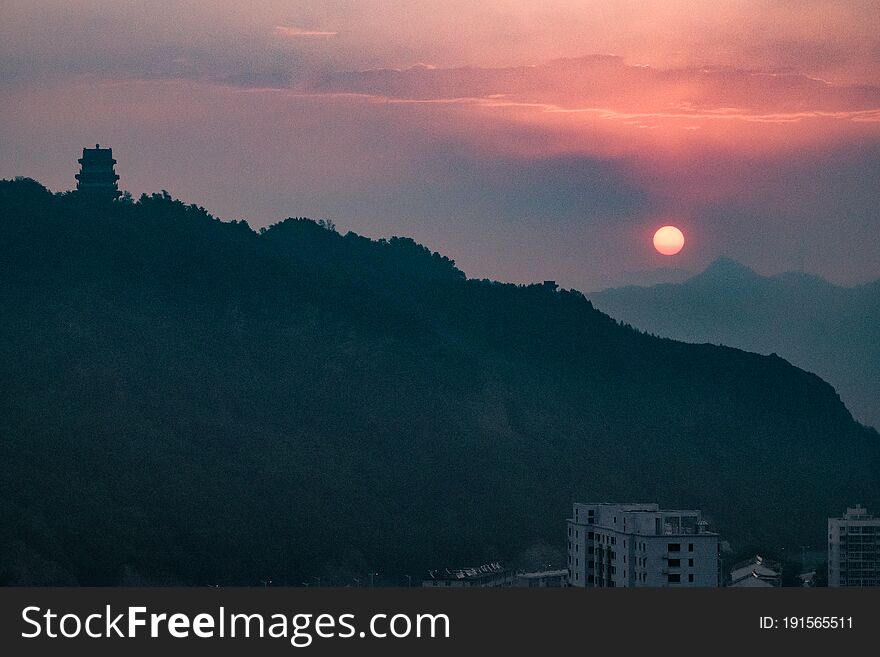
668,240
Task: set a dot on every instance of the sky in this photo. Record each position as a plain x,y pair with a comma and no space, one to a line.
527,141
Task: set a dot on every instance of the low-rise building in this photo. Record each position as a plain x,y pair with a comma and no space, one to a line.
487,575
542,579
757,572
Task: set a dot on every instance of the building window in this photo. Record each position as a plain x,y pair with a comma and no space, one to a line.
673,547
590,535
690,547
675,563
673,578
690,563
691,577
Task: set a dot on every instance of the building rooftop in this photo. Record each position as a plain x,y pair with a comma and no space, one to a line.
543,573
756,571
468,573
858,512
759,563
641,518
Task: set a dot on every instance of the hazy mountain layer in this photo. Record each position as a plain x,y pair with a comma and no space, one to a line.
830,330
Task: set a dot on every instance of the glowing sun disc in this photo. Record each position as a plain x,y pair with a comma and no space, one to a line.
668,240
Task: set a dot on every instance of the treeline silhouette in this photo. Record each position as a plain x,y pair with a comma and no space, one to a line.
188,401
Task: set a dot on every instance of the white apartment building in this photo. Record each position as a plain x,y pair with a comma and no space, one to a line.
854,549
613,545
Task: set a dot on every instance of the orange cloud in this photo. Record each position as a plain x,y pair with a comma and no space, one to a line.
606,86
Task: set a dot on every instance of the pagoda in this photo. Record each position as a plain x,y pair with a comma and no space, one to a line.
97,177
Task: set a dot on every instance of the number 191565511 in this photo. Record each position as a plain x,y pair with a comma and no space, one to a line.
807,623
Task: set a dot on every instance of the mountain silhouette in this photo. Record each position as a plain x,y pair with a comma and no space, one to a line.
725,269
188,401
830,330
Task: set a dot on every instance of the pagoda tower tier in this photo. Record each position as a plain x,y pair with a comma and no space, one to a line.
97,177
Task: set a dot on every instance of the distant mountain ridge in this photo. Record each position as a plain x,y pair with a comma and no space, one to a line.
824,328
188,401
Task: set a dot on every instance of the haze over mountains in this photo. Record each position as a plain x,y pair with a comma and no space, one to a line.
188,401
830,330
646,277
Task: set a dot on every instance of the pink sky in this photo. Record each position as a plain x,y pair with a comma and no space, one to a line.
525,140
